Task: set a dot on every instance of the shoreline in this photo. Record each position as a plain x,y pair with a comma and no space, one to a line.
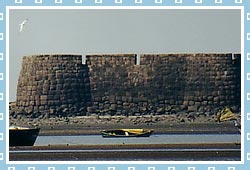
184,128
92,125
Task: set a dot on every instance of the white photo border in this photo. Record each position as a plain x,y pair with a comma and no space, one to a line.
244,5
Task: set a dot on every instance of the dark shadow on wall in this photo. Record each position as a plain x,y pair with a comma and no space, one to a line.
86,92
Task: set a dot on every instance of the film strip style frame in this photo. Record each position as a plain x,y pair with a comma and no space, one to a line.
244,5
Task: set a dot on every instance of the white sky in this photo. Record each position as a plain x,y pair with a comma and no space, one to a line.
99,31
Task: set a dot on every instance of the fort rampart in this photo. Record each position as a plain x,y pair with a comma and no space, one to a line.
65,85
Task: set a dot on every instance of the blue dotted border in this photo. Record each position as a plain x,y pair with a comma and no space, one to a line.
245,4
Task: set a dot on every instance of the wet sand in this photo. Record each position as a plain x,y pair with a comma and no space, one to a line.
164,124
184,128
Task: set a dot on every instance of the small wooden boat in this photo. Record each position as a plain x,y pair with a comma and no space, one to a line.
22,136
113,133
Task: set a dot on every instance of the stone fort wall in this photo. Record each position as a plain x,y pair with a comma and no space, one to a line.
63,85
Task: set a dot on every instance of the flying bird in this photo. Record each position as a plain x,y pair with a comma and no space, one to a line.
21,25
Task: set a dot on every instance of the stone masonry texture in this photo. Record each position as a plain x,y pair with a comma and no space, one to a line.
63,85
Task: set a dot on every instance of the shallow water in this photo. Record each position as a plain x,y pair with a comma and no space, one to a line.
153,139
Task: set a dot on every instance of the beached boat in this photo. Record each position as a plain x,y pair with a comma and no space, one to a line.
126,133
22,136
